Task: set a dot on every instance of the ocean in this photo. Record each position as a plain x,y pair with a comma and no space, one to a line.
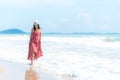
69,56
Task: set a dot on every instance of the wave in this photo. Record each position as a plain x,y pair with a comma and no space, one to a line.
72,58
14,37
112,39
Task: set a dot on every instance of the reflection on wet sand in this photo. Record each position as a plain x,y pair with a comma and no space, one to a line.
1,69
31,74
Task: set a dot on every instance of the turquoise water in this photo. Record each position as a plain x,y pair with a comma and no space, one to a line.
110,37
74,34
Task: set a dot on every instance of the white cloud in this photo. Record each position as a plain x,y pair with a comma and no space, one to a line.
58,2
15,3
116,1
51,25
105,28
38,2
105,18
83,14
64,20
86,18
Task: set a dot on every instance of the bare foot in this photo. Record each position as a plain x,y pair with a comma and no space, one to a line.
31,62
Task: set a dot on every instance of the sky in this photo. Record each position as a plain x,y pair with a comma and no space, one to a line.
66,16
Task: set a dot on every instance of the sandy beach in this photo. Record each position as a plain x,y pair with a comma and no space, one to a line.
18,71
88,57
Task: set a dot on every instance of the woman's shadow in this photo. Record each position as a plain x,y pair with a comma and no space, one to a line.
31,74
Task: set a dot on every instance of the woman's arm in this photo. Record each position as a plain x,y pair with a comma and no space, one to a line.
31,33
40,33
40,30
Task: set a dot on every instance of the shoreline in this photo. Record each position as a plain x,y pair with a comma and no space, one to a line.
17,71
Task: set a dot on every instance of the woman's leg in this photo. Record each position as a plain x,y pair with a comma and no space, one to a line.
32,61
32,57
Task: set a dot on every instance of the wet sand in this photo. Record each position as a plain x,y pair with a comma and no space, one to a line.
18,71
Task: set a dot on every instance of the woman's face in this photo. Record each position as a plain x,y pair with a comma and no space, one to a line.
36,26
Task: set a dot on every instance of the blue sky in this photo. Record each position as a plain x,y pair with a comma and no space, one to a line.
61,15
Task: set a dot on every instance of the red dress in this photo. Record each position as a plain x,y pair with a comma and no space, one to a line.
35,45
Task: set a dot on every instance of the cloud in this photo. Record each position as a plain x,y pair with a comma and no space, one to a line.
65,20
83,14
116,1
15,4
85,17
105,18
58,2
38,2
105,28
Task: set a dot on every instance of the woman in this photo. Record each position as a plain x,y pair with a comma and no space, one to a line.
35,50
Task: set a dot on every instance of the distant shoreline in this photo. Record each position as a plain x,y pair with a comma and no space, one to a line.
18,31
67,33
12,31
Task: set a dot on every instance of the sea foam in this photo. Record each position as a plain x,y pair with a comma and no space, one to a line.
71,58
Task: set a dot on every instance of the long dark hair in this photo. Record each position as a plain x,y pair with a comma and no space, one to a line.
35,27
